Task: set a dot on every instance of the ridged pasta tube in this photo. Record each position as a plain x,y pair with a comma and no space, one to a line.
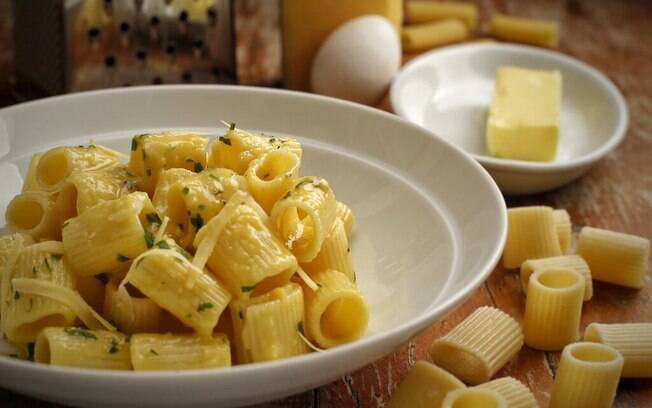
271,175
553,308
334,254
474,397
304,215
423,36
615,257
130,314
632,340
344,213
30,183
587,376
425,11
516,394
57,164
78,347
531,234
574,262
563,226
34,213
523,30
155,352
479,346
426,385
10,248
267,327
336,313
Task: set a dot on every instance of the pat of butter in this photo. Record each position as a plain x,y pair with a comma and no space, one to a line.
523,119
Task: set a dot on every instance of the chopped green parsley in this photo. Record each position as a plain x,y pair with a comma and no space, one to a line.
76,331
204,306
122,258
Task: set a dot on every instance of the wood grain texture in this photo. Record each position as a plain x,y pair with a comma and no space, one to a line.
613,36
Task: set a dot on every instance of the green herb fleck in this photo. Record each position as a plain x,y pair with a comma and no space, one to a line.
348,249
197,221
163,244
201,206
34,270
214,177
232,126
303,182
185,190
286,195
47,264
204,306
300,327
153,352
272,139
57,257
134,143
122,258
198,167
128,339
16,295
225,140
114,347
149,238
241,315
245,289
189,160
184,253
103,278
153,218
76,331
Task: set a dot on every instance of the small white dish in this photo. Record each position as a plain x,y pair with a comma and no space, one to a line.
430,226
448,91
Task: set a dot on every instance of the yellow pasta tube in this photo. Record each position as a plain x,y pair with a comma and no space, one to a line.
271,175
129,313
176,285
78,347
425,11
57,164
523,30
574,262
632,340
151,153
531,234
334,254
426,385
553,308
10,248
474,398
479,346
268,327
344,213
563,226
615,257
30,183
25,315
237,148
516,394
109,235
304,215
155,352
34,213
587,376
336,313
420,37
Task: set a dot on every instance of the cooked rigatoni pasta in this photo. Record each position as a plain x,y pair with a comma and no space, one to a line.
271,175
237,148
516,394
269,327
632,340
151,153
57,164
553,308
479,346
34,213
10,248
336,313
155,352
474,398
130,314
524,30
304,215
344,213
615,257
420,37
108,235
334,254
587,376
30,183
531,234
563,226
426,385
424,11
79,347
574,262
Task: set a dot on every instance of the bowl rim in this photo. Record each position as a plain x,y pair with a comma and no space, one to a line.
596,76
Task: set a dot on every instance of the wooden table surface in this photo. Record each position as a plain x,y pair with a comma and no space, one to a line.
613,36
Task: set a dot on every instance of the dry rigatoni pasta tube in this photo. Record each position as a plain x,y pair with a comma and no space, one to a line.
563,226
108,235
587,376
57,164
425,11
334,254
426,385
479,346
34,213
237,148
271,175
336,313
78,347
632,340
516,394
344,213
129,313
156,352
574,262
531,234
615,257
474,398
268,327
536,32
420,37
30,183
304,215
553,308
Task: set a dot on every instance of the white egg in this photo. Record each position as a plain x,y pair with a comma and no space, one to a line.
358,60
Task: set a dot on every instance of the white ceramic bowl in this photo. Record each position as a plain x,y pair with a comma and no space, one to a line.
448,91
430,226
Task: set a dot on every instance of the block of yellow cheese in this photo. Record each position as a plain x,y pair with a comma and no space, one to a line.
307,23
523,120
